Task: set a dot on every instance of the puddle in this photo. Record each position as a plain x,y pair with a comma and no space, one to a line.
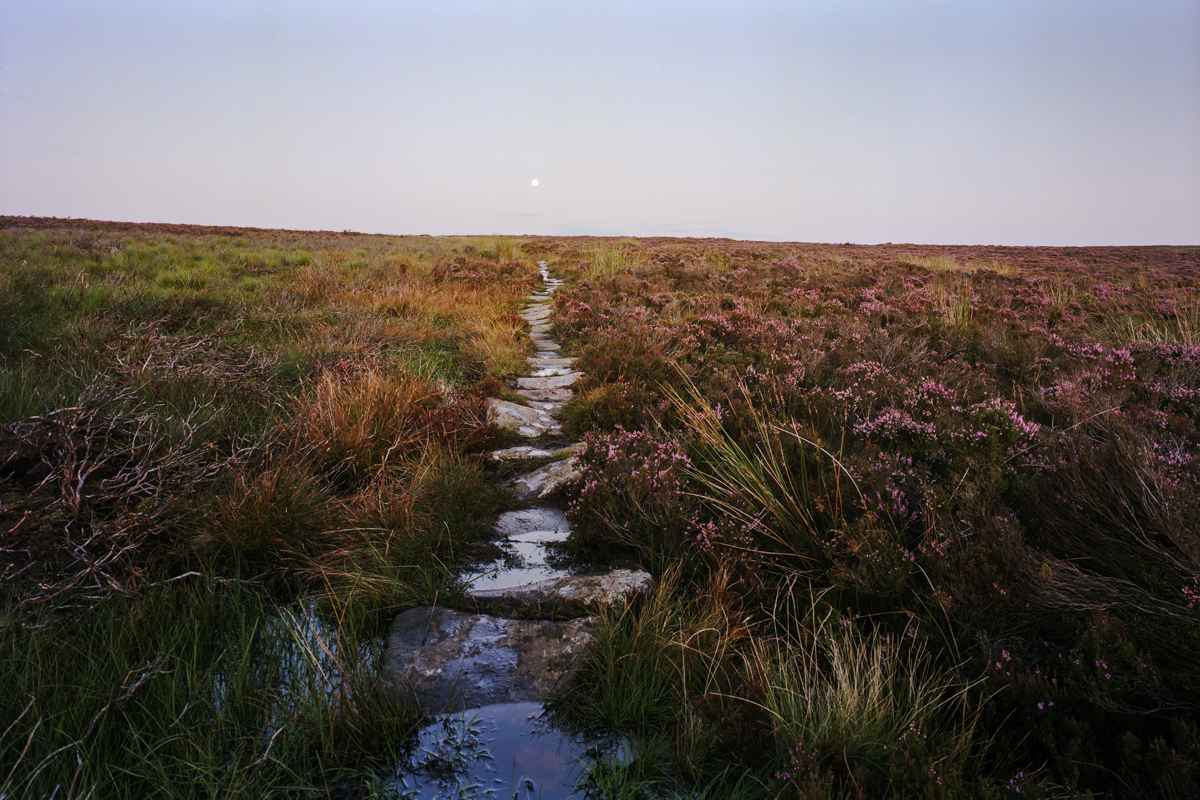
523,539
504,751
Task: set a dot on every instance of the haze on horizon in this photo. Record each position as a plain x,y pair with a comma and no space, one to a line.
1059,122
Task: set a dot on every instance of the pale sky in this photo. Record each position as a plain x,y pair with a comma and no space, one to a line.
1038,122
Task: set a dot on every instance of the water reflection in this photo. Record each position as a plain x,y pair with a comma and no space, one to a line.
505,751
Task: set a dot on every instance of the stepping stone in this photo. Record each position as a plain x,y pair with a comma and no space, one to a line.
541,328
556,382
548,521
579,592
520,452
550,362
524,420
525,451
546,483
557,396
446,660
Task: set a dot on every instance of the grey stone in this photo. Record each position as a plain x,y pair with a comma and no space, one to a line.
586,591
541,327
525,420
555,382
520,452
557,396
447,660
550,361
524,452
546,344
542,523
547,482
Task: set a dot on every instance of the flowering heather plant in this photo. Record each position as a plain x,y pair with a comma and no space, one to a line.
633,491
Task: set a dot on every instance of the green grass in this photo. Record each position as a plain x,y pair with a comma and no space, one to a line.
195,688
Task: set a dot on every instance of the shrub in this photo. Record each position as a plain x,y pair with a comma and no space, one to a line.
633,491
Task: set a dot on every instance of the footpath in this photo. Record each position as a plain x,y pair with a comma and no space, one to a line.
522,649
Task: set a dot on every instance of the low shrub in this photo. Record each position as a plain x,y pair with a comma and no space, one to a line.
633,492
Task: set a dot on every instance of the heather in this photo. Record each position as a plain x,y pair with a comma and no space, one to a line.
963,478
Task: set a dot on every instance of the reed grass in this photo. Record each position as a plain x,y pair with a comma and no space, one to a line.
1183,330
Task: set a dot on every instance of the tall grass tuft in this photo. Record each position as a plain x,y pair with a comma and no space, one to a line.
839,684
505,248
605,260
783,487
953,304
1183,330
351,425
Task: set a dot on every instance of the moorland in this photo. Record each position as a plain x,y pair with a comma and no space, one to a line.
924,520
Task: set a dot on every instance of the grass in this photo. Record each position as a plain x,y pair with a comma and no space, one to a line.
1183,330
193,689
606,260
201,427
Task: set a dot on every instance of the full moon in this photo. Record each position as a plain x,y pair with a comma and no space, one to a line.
533,182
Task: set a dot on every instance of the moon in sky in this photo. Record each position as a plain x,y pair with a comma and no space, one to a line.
533,182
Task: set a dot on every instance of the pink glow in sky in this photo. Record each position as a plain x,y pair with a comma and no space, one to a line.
984,122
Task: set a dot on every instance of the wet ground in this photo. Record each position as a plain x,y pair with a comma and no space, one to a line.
504,751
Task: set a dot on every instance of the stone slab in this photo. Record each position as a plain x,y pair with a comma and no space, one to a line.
540,519
520,452
525,420
445,660
550,362
586,591
546,483
547,395
554,382
524,452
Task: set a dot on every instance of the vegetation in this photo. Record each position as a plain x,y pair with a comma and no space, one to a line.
923,519
930,512
228,457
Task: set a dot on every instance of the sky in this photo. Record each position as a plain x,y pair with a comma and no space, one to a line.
1012,122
